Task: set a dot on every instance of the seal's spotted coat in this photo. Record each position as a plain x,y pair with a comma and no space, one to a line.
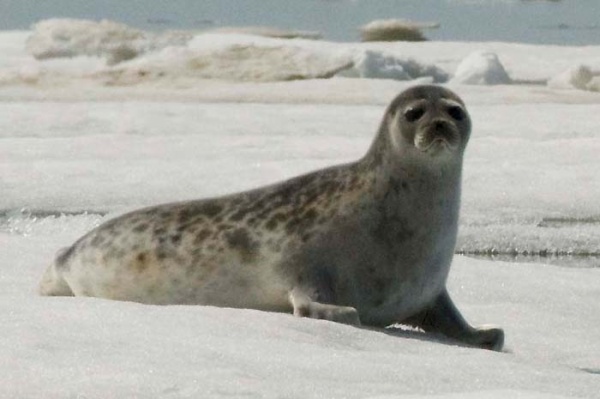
369,241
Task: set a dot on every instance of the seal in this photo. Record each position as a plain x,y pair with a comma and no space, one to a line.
366,242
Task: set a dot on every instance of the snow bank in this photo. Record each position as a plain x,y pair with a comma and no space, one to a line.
227,54
224,54
107,39
234,58
481,68
154,56
137,57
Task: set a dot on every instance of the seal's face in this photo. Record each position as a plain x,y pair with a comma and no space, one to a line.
432,120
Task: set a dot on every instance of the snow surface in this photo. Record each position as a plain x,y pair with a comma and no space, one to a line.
74,139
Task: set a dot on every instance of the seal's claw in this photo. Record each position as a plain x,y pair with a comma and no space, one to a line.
489,337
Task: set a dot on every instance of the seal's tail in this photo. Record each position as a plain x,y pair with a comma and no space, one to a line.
52,283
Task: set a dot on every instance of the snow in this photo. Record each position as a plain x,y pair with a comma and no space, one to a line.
95,348
231,57
79,144
481,68
375,64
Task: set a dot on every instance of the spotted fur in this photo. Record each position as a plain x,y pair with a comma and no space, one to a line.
370,241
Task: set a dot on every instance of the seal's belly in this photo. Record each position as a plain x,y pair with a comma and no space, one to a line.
138,275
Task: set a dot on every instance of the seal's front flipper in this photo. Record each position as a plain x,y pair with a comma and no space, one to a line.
443,317
304,306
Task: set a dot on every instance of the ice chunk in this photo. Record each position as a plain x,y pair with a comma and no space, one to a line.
577,77
380,65
210,56
55,38
389,30
481,68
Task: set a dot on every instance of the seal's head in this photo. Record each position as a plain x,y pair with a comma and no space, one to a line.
429,120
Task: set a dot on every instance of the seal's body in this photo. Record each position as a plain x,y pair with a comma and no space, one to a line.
370,241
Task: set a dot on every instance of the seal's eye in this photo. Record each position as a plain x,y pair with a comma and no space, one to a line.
413,114
456,113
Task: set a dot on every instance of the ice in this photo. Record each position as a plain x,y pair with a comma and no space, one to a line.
269,32
155,56
55,38
388,30
578,77
481,68
234,58
374,64
83,141
172,58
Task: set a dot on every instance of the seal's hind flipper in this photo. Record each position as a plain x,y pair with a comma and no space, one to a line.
52,283
443,317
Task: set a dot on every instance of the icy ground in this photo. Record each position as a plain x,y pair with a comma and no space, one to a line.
70,142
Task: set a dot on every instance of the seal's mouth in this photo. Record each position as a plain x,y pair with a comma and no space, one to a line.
437,135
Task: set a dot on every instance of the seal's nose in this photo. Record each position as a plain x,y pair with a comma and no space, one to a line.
439,126
441,131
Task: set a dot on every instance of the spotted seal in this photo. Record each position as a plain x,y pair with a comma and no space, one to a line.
366,242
